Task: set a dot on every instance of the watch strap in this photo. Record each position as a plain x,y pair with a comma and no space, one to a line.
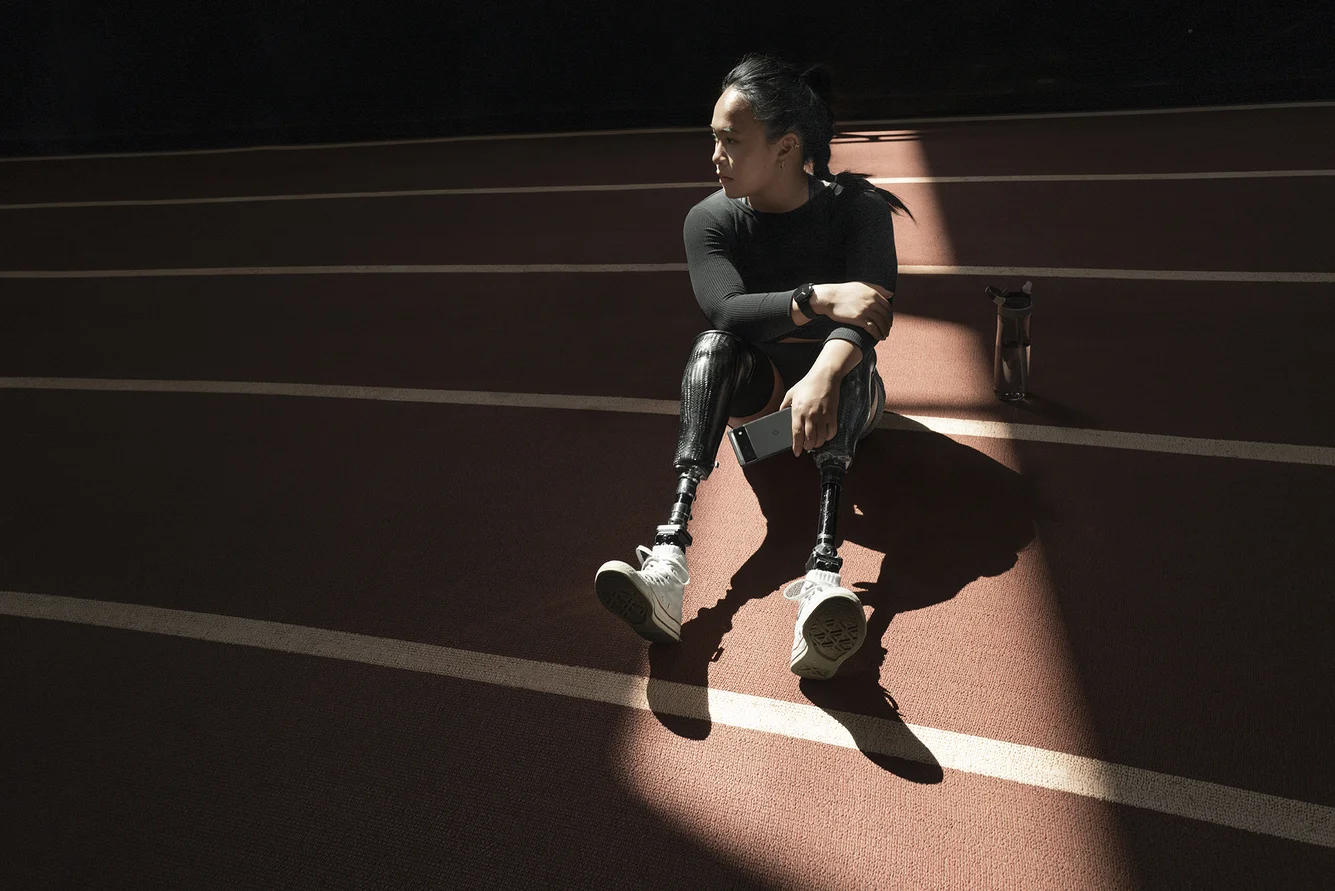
803,300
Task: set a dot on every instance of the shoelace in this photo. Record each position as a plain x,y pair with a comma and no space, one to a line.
661,570
799,589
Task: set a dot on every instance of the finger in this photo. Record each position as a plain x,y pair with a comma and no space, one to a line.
809,431
884,325
821,435
797,435
787,400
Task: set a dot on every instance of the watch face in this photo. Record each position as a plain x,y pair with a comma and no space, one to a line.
804,301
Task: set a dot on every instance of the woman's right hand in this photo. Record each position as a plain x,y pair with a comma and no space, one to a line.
856,303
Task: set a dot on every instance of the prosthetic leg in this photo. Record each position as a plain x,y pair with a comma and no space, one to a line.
861,404
830,623
718,363
649,598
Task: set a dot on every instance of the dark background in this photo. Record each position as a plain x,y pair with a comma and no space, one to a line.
101,75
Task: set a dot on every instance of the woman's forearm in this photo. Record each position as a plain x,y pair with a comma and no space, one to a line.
819,299
837,358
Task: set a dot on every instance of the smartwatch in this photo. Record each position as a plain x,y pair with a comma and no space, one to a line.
802,297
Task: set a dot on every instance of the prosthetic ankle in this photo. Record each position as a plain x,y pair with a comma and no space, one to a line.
716,366
674,530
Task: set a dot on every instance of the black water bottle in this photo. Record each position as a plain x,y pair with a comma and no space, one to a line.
1010,361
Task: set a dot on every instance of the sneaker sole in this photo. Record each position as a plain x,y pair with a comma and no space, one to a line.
624,599
833,632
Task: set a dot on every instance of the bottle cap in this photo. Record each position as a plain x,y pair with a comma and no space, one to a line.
1020,299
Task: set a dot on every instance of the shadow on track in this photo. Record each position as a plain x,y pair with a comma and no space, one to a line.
943,515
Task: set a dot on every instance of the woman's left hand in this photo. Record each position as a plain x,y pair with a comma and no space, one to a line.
815,403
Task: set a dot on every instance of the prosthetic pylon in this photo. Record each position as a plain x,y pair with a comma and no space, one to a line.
825,555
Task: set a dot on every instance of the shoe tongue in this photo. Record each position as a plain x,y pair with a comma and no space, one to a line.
824,577
669,551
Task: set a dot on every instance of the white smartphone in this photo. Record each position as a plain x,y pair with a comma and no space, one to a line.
763,437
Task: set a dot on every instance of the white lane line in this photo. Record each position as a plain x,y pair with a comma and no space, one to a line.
628,405
648,187
1103,177
430,140
1229,806
1180,275
338,196
1116,113
649,131
1282,453
392,269
1160,275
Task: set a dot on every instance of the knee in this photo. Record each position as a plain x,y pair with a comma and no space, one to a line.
861,403
715,342
718,356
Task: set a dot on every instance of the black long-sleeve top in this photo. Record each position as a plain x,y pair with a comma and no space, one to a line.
746,265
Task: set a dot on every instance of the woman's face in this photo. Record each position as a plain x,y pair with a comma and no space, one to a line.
744,161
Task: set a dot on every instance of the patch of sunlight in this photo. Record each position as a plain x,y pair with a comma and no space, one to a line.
983,649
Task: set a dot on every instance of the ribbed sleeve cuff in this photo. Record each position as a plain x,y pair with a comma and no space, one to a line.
855,336
777,310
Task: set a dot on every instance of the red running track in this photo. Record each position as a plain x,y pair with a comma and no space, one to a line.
1162,612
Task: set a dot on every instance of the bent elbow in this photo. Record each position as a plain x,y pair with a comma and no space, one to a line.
725,319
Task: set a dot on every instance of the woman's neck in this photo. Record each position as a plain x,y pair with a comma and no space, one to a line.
786,195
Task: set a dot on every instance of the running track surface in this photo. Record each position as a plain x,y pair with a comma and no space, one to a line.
300,524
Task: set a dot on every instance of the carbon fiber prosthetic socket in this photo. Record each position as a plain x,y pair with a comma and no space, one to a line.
861,404
718,362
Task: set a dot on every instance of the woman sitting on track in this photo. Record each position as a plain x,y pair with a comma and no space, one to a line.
796,272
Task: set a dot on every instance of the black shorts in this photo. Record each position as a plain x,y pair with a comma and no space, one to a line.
791,360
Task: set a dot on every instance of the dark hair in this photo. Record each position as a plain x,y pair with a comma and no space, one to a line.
785,100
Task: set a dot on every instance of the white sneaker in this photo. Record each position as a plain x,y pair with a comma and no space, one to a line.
649,598
830,624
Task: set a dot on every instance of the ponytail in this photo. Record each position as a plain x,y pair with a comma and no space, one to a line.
818,81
